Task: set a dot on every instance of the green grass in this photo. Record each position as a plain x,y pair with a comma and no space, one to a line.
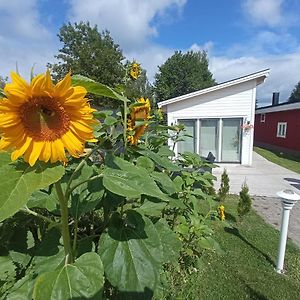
280,158
246,270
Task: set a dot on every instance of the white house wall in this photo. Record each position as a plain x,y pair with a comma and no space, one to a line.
237,101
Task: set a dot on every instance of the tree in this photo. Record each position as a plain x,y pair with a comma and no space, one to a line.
183,73
295,95
245,201
224,188
89,53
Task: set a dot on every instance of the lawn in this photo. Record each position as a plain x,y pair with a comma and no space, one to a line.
246,270
280,158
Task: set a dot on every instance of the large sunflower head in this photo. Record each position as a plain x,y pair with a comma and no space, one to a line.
138,113
41,120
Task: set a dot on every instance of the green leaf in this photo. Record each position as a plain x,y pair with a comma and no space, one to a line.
146,163
169,240
178,182
42,199
131,253
132,184
7,269
165,151
164,182
22,289
162,161
97,88
117,182
150,208
19,181
109,120
81,280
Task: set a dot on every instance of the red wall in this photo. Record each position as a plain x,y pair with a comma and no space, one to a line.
267,132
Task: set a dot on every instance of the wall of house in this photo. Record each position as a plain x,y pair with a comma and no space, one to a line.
237,101
266,132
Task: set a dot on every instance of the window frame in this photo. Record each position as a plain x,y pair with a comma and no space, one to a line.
281,129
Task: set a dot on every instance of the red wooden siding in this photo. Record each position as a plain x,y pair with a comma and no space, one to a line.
267,132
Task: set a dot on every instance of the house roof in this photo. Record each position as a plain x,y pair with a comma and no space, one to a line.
278,107
259,76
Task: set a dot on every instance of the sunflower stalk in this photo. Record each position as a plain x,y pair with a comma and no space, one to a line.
125,126
63,202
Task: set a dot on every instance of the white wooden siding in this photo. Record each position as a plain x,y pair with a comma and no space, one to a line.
236,101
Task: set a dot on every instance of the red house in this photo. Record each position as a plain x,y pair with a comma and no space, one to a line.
277,126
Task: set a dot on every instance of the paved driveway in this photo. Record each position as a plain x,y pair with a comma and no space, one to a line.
264,179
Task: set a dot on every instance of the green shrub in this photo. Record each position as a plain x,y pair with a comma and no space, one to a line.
224,188
245,201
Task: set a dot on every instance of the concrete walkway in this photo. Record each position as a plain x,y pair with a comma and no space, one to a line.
264,179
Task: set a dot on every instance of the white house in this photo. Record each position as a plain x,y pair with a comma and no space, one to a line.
220,118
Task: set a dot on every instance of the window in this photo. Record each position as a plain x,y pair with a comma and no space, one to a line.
220,137
262,118
281,129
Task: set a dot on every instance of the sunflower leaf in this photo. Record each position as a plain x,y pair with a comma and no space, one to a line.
81,280
97,88
19,181
131,253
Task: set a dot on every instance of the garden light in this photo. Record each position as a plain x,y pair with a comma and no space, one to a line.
288,200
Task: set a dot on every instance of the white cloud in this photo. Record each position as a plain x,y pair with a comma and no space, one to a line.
21,19
130,22
265,12
284,72
23,38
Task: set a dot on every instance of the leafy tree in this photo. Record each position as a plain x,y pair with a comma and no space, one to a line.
3,81
224,188
245,201
183,73
89,53
295,95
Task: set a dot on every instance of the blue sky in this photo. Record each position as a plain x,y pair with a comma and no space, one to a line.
240,36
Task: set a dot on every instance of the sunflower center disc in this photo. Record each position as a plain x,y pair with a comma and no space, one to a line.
44,119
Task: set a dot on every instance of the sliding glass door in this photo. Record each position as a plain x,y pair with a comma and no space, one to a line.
221,137
189,143
208,137
231,140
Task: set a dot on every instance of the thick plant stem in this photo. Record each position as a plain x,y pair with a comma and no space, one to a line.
125,126
63,202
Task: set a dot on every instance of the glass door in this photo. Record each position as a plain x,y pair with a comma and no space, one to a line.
209,137
189,142
231,140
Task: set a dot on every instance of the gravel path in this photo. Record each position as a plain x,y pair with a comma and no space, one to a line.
270,209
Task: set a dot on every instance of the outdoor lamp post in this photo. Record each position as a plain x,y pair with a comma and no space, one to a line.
288,200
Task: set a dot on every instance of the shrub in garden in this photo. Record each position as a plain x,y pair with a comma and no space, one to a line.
93,209
224,187
245,201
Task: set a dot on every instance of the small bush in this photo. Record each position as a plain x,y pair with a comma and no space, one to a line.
245,201
224,188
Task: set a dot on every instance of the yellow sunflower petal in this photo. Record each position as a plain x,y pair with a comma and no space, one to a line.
46,152
73,145
37,84
35,153
63,86
19,81
19,152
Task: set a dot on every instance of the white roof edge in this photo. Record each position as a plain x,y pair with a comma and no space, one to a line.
261,74
276,108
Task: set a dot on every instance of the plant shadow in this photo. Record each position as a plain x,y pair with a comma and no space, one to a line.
236,232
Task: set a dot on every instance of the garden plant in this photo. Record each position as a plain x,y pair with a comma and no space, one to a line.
94,204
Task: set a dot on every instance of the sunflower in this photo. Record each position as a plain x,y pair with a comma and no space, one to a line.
138,113
134,70
40,120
